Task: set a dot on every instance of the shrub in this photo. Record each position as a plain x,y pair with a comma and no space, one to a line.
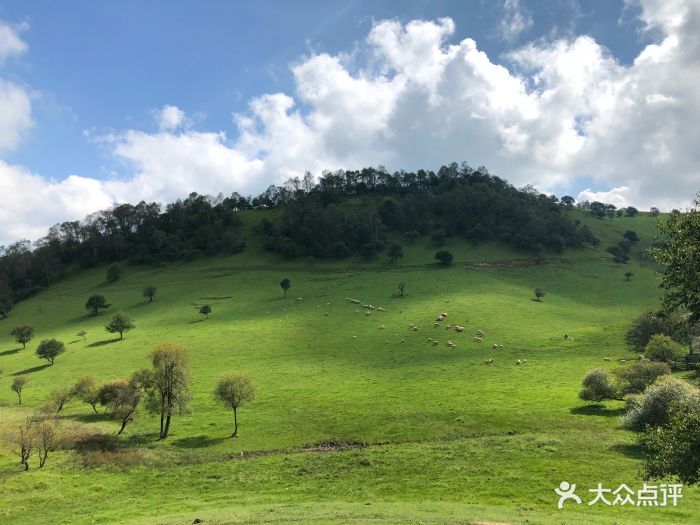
652,408
597,386
663,348
444,257
650,323
637,377
113,273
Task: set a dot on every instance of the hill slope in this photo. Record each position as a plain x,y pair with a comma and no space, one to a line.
351,422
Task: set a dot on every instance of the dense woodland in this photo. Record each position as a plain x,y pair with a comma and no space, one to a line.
345,213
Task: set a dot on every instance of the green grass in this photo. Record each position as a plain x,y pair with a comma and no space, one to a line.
446,438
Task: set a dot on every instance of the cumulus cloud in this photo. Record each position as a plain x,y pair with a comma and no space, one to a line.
169,117
616,196
516,19
551,114
10,41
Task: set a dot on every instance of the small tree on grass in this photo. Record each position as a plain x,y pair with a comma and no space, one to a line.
59,398
149,293
24,441
598,386
395,252
18,385
631,236
285,284
113,273
50,349
23,334
444,257
205,310
47,436
539,293
87,390
663,348
95,303
82,334
122,397
628,275
168,389
119,324
402,288
233,390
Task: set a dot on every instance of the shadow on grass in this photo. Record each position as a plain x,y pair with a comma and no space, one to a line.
197,442
10,352
597,410
197,321
105,342
89,418
31,370
631,450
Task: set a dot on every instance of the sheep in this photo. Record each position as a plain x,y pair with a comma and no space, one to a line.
438,319
444,314
354,337
480,333
500,346
607,359
447,327
518,362
495,346
488,361
524,361
368,312
436,325
478,339
435,343
299,300
381,327
355,301
622,361
415,328
459,329
381,309
386,342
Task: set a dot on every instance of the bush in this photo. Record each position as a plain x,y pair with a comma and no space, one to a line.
637,377
652,408
672,450
650,323
444,257
597,386
663,348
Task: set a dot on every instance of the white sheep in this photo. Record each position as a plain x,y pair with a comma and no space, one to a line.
606,359
459,329
622,361
381,327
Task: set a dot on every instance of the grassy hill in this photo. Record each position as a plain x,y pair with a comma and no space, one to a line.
351,423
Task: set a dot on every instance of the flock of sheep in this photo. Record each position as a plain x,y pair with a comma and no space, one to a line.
479,334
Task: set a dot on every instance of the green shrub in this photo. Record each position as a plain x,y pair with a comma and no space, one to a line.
637,377
663,348
652,408
597,386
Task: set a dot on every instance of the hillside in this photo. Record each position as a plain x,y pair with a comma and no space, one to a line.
351,422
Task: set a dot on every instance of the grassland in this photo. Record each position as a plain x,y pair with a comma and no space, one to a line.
433,435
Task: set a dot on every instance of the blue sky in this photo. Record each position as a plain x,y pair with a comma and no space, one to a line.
98,74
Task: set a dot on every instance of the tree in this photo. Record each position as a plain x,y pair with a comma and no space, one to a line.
95,303
59,398
663,348
631,211
120,323
411,236
631,236
637,377
650,323
149,292
672,450
50,349
23,439
285,284
654,211
539,293
598,386
395,252
113,273
233,390
23,334
567,201
121,398
168,390
18,384
46,436
5,307
444,257
87,390
628,275
81,334
679,254
402,287
205,310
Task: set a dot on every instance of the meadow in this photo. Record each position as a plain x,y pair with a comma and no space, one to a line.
351,423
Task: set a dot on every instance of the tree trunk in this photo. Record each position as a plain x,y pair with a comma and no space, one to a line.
121,335
162,415
94,408
235,424
167,427
19,396
125,422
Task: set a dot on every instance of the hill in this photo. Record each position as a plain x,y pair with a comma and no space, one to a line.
351,422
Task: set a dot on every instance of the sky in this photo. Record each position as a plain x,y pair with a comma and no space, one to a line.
111,102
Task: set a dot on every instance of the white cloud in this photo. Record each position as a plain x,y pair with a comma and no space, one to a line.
15,114
554,113
169,117
516,19
10,41
616,196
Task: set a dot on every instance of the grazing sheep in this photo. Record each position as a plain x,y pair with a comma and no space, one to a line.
368,312
495,345
480,333
459,329
622,361
355,301
488,361
299,300
436,325
415,328
606,359
518,362
478,339
435,343
444,314
447,327
381,309
500,346
438,319
386,342
354,337
381,327
524,361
